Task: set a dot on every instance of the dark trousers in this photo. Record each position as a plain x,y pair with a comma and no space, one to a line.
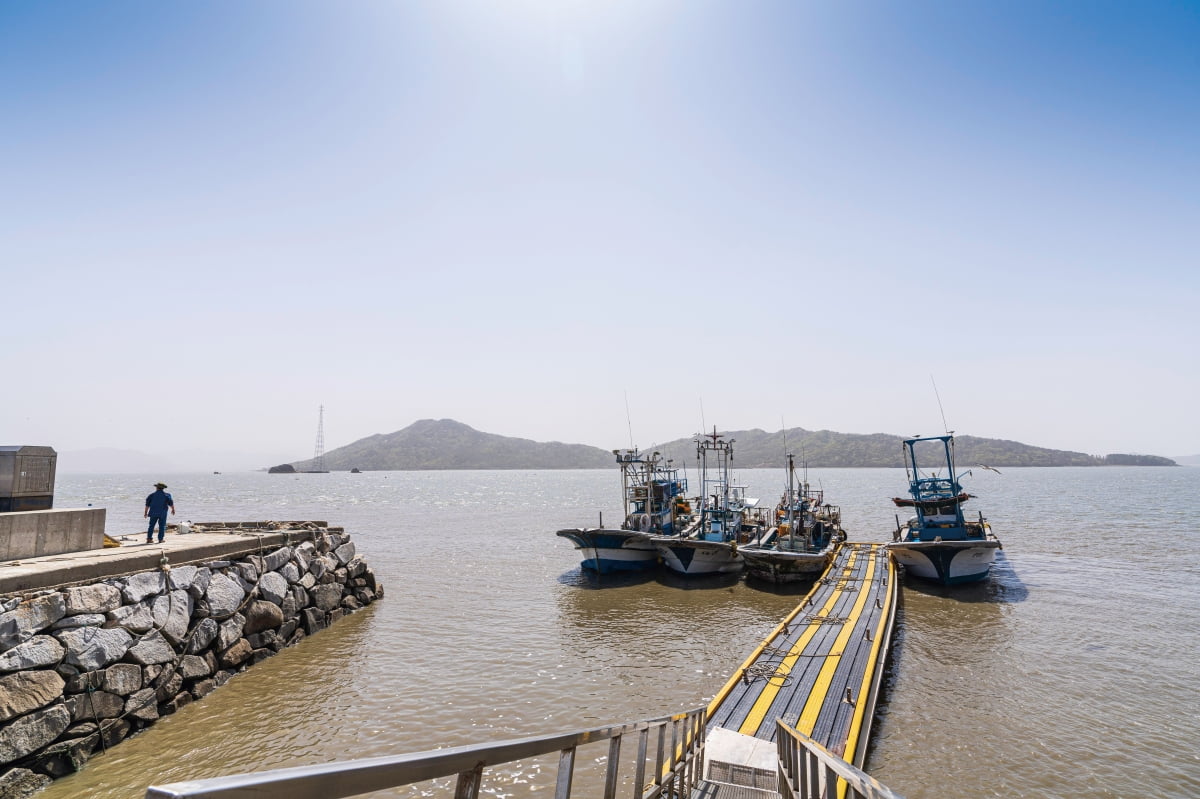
161,521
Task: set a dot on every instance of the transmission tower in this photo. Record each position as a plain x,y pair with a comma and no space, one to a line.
319,450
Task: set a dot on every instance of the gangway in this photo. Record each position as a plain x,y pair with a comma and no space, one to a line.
817,674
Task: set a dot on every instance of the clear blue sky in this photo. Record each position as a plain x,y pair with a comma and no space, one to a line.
528,215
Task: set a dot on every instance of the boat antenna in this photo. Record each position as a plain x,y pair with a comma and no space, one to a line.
804,459
703,426
785,447
628,420
945,425
685,471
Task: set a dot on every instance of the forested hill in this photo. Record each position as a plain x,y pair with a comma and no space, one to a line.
447,444
825,448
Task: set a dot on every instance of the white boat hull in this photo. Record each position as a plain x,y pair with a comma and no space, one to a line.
606,551
946,562
691,557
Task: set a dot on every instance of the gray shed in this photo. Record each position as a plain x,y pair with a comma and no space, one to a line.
27,478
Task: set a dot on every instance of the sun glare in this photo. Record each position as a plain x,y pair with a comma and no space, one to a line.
525,18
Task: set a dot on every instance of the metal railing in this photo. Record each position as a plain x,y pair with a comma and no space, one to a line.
808,770
673,744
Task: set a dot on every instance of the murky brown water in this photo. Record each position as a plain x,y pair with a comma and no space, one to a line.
1071,673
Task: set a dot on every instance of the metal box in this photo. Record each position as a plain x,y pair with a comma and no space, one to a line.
27,478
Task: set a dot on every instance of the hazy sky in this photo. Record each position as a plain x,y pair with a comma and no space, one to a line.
531,216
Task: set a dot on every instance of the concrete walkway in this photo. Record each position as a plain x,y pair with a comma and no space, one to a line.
134,555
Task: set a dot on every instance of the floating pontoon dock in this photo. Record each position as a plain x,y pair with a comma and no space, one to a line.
819,671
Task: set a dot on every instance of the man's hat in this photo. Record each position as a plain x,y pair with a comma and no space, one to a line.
160,485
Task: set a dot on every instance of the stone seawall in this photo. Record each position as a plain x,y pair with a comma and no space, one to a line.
82,667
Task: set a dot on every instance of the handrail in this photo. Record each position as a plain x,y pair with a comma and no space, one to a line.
675,772
808,770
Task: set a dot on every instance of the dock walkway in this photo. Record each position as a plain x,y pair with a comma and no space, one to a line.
818,671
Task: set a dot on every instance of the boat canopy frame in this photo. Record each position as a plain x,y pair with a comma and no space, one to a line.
937,499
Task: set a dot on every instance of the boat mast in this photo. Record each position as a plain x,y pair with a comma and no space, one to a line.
623,462
726,457
909,455
625,467
712,505
650,478
791,500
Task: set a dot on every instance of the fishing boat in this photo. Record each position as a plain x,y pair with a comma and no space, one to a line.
725,517
805,537
939,543
655,502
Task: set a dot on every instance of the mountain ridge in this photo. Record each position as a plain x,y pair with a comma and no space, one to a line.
439,444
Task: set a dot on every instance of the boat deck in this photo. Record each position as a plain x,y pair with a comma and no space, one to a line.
820,669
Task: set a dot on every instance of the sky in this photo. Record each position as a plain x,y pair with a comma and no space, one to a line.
608,223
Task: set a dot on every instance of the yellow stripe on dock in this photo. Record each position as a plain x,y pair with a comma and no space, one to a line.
755,718
850,660
881,635
816,700
736,679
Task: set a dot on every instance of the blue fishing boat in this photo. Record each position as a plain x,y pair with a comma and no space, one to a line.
804,539
939,543
655,504
725,517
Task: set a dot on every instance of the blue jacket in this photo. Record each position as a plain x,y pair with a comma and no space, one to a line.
158,502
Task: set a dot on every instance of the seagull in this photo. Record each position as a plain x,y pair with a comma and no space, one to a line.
989,468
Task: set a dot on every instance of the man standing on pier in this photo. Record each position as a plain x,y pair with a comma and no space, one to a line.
156,510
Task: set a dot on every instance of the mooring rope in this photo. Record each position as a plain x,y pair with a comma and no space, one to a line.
825,620
765,671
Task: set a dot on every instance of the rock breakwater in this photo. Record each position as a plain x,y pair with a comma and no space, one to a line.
85,666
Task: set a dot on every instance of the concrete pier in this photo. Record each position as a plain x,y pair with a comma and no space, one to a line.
219,541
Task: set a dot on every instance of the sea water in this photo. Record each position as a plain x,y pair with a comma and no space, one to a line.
1073,671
